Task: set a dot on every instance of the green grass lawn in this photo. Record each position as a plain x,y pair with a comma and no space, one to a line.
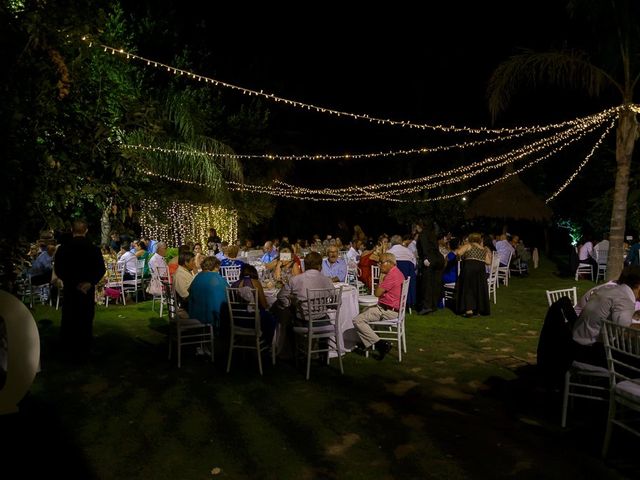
462,404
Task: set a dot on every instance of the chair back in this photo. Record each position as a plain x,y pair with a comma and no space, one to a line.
622,345
243,308
403,299
375,276
322,304
602,256
555,295
172,301
231,273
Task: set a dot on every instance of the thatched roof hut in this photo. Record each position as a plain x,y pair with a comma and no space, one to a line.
509,199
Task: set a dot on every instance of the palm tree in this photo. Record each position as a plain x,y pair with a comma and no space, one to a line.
596,74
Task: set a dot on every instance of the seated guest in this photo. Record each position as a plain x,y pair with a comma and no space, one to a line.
389,291
42,268
213,240
368,258
231,260
249,280
128,261
222,254
585,253
158,265
183,277
614,303
521,255
270,252
406,262
198,256
504,249
152,245
286,266
207,293
333,266
292,298
142,253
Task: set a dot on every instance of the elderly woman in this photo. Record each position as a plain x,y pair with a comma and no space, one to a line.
208,293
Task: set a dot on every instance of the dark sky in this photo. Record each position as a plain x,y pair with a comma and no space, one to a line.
421,62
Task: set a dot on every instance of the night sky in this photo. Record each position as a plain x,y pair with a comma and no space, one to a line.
423,63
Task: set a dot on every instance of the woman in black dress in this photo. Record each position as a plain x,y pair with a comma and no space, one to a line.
472,290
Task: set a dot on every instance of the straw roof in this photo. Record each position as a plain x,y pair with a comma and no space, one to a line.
509,198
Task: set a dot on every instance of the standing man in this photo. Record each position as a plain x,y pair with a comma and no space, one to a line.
80,266
389,293
431,266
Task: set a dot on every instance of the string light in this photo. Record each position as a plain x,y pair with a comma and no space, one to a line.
363,194
600,116
584,162
458,174
188,221
306,106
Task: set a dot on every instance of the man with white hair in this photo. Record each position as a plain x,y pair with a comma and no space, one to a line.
389,291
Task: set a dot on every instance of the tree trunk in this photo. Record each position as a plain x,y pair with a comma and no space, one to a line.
626,136
105,226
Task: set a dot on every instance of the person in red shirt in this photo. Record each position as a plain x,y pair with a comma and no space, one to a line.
388,291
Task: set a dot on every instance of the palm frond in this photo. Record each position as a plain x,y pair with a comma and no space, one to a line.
188,162
560,68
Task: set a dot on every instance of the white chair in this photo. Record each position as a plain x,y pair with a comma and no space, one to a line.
321,311
245,330
375,277
159,276
583,269
602,257
185,331
582,380
504,273
622,345
231,273
492,281
114,281
555,295
393,330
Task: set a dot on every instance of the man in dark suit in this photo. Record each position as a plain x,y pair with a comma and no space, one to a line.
432,264
80,266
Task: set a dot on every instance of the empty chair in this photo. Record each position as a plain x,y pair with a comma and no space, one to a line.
392,330
622,345
602,257
492,281
245,329
231,273
554,295
186,331
319,329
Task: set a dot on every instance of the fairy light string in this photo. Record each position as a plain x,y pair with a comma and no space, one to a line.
600,116
583,163
307,106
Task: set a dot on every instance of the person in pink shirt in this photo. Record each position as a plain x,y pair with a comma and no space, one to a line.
388,291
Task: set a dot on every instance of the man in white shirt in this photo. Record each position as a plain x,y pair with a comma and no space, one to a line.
128,260
402,253
505,250
157,260
615,303
183,277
